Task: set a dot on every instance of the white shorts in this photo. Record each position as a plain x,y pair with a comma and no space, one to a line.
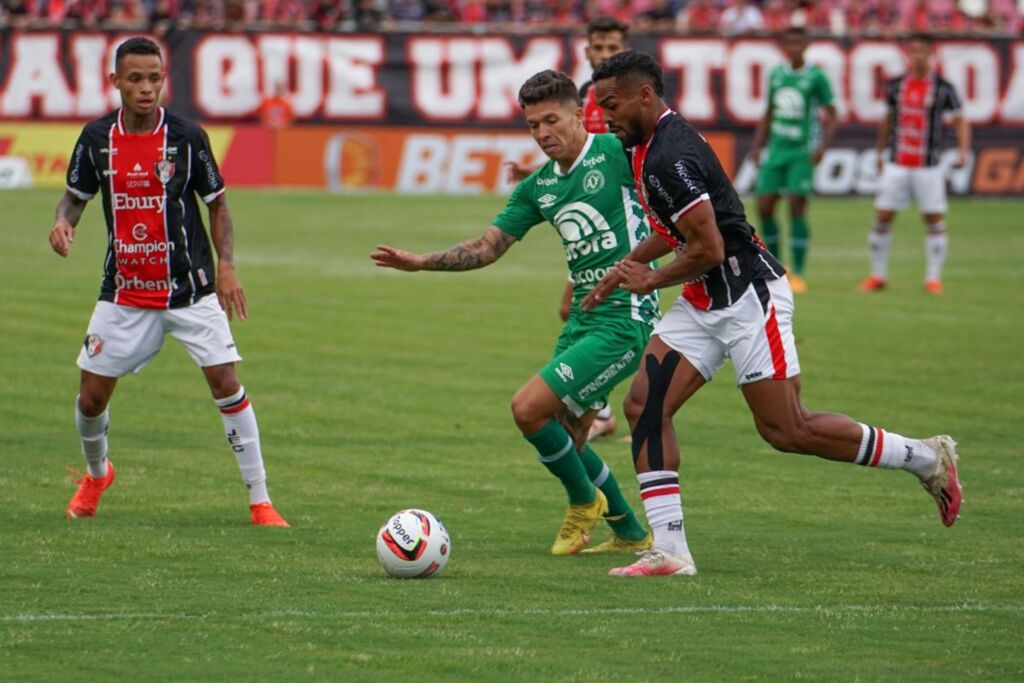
756,332
123,339
898,184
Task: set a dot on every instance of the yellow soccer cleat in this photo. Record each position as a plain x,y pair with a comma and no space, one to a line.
797,283
617,544
579,520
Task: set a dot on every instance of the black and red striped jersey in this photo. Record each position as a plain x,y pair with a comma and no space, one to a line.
916,107
158,250
676,170
593,116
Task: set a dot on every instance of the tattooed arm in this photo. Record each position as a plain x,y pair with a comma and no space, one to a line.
469,255
222,230
69,212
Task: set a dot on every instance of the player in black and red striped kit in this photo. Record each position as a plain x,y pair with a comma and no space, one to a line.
159,276
735,305
917,102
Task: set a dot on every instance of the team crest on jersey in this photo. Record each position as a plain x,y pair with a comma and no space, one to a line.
593,181
164,171
93,344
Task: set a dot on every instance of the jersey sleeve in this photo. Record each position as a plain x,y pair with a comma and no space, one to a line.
676,184
520,213
951,101
82,180
207,180
824,90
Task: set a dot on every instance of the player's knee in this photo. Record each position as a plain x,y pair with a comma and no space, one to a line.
525,414
633,408
91,404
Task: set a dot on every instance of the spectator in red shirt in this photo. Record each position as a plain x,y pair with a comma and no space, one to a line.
276,110
700,16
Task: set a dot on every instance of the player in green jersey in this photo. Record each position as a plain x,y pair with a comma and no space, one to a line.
586,192
796,91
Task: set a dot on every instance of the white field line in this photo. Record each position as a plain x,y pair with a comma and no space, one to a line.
485,612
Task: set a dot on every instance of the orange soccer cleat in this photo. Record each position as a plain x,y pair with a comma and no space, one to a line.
87,497
872,284
264,514
933,287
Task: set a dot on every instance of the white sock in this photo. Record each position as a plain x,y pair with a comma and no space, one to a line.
879,240
660,493
936,244
93,433
604,414
879,448
244,438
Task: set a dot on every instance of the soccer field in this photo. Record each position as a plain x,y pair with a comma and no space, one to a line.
378,390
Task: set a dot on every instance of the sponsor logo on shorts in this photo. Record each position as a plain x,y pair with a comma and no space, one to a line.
607,375
564,372
753,375
93,344
675,526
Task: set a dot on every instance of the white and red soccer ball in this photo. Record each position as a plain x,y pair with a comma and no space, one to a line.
413,544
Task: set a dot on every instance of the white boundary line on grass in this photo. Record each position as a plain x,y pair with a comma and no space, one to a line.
496,612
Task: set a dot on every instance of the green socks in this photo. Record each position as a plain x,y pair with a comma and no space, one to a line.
557,452
621,517
770,235
799,242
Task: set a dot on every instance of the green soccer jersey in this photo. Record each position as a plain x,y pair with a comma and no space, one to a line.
594,209
795,96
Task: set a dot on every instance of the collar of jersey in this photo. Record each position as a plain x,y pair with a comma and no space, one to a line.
124,131
583,153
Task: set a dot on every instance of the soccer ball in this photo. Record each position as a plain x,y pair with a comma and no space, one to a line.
413,544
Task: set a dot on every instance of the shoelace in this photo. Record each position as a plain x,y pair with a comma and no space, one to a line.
576,518
77,478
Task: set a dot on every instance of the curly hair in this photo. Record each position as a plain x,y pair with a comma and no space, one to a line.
633,64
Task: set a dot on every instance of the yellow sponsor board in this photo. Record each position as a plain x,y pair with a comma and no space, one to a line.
48,146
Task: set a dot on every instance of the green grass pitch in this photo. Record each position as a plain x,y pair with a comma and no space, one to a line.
380,390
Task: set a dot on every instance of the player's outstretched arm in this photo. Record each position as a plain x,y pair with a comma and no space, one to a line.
653,247
222,230
704,250
69,212
469,255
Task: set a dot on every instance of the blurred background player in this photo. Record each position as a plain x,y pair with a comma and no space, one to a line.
912,132
735,304
606,36
159,276
796,93
586,192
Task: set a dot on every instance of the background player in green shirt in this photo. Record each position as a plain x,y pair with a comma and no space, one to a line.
587,193
796,91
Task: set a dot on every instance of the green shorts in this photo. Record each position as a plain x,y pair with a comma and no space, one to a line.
786,172
593,354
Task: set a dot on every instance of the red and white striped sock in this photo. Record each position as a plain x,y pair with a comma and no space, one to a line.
244,438
879,448
660,493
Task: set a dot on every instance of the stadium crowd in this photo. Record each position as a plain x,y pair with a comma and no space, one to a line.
728,17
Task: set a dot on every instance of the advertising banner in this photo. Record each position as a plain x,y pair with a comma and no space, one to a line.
438,113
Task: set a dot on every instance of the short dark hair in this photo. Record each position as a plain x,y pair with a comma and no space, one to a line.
138,45
921,37
606,24
632,63
549,85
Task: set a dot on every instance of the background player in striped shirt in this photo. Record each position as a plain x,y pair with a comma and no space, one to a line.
918,101
159,278
606,36
735,304
797,92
